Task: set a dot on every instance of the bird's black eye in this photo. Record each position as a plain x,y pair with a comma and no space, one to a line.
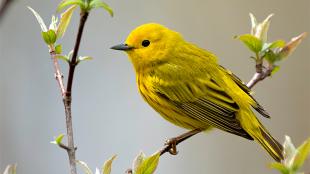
145,43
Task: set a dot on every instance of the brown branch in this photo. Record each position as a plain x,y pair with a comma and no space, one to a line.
67,100
261,73
66,93
4,6
58,74
171,144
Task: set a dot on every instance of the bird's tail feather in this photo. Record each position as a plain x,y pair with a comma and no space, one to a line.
272,146
260,134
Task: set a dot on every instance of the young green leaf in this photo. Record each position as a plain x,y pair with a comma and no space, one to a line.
49,37
62,57
99,3
148,165
66,3
84,58
10,169
65,20
39,19
270,56
253,43
106,168
58,139
58,49
137,161
280,167
276,44
84,167
301,156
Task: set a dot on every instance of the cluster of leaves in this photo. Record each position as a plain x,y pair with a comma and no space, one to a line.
271,52
293,158
141,165
57,29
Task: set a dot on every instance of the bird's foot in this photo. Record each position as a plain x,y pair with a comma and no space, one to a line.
172,144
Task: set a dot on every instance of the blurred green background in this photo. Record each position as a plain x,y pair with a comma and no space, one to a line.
110,117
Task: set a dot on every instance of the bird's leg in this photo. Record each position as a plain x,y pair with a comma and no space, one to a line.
171,144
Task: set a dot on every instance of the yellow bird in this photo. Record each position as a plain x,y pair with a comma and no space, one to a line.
187,86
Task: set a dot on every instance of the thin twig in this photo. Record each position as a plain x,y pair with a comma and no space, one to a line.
58,74
67,100
261,73
171,146
4,6
67,93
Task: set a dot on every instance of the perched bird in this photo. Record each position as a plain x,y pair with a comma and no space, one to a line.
187,86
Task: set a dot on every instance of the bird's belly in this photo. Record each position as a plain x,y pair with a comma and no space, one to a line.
169,111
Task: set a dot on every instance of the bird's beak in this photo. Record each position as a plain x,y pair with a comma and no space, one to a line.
122,47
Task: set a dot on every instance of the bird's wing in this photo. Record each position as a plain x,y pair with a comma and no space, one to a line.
201,98
243,86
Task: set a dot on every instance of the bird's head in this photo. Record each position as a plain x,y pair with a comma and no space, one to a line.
149,44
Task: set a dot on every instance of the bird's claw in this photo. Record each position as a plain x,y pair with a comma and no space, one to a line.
172,143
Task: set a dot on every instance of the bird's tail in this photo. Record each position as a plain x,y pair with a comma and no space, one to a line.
272,146
260,134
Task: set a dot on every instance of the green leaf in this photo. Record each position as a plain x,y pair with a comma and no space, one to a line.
270,56
301,156
66,3
58,139
65,20
49,37
275,69
62,57
137,161
149,164
84,167
275,44
99,3
106,168
253,43
280,167
58,49
84,58
10,169
39,19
